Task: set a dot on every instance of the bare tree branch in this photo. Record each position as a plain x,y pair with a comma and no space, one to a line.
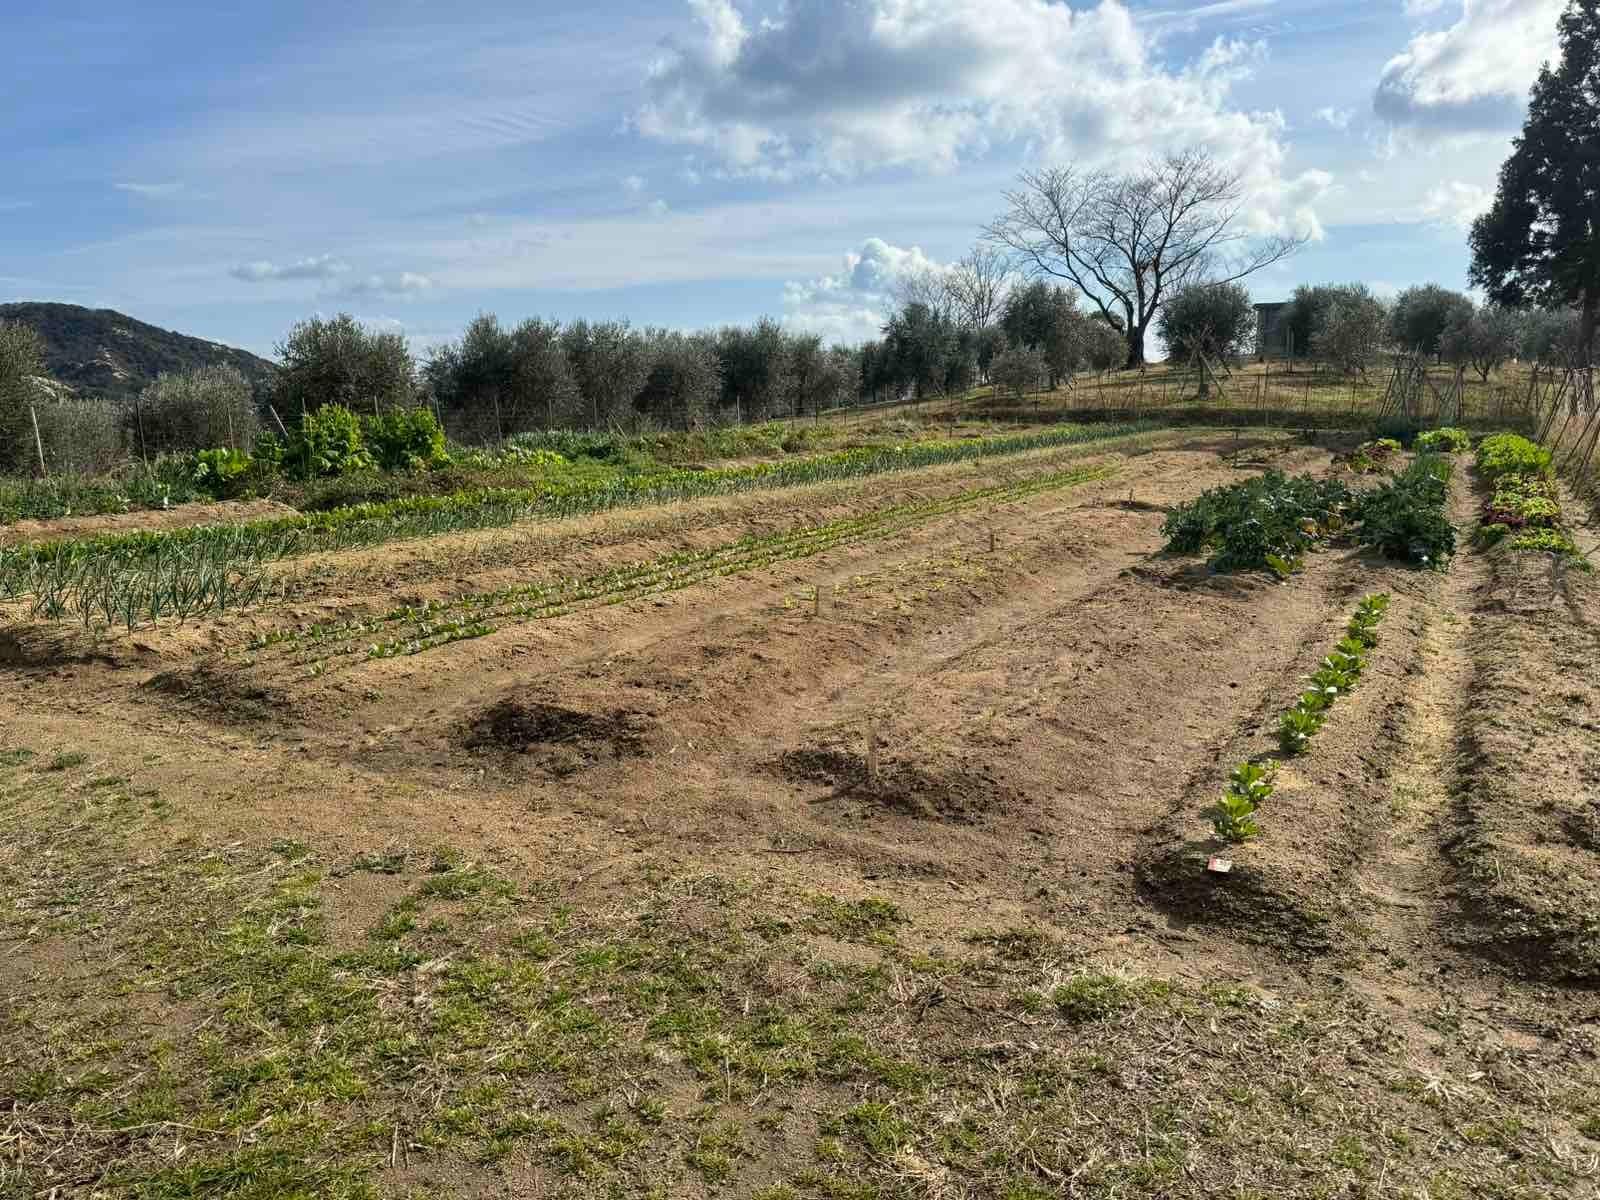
978,285
1125,242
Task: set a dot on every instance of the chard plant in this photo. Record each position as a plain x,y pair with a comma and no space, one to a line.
1296,728
1234,815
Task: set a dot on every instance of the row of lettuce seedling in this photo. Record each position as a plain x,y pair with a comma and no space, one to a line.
1234,817
1524,511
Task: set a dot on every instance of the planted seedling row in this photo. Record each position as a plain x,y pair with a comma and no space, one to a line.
55,572
1234,816
416,629
1524,513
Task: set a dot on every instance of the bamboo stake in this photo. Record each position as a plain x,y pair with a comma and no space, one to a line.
38,442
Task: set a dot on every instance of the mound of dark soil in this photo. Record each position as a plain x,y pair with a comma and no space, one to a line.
561,740
955,795
221,692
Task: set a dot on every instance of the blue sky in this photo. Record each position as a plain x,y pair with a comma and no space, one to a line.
225,168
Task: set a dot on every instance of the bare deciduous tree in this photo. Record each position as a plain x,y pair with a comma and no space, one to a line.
929,288
977,286
1125,241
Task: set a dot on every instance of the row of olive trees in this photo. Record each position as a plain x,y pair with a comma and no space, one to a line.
1347,327
495,381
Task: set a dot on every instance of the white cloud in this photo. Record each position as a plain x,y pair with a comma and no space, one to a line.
852,305
321,266
1336,118
1422,8
405,283
153,190
1455,203
1474,76
633,184
836,88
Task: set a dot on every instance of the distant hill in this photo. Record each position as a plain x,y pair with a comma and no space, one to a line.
99,352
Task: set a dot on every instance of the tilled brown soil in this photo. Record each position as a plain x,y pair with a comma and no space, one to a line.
1010,716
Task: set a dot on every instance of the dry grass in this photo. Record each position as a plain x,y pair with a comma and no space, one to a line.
178,1023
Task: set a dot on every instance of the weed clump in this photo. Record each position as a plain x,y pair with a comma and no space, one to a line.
1095,996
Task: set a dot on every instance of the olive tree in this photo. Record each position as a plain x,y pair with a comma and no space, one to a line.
1420,316
610,362
21,359
1209,320
1484,340
338,360
1016,369
206,407
684,379
1350,328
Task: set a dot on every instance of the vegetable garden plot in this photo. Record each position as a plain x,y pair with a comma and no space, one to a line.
417,629
137,578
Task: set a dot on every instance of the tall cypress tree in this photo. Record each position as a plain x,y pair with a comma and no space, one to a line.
1540,243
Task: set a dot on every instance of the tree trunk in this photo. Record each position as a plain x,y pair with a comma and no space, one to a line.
1135,348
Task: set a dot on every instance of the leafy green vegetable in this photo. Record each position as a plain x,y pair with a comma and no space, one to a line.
1404,518
1447,440
1296,728
1266,523
1511,454
1234,815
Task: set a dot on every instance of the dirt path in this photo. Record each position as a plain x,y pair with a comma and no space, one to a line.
1404,883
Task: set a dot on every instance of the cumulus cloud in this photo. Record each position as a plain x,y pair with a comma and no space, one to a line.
851,306
321,266
1474,76
1336,118
1455,203
404,283
836,88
